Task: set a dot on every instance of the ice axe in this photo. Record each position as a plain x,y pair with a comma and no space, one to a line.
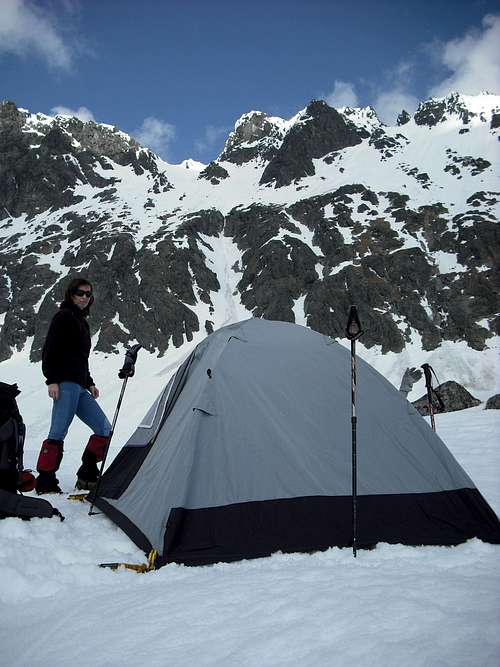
126,371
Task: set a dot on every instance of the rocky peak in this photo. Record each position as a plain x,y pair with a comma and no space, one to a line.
318,130
317,108
364,118
437,110
44,158
255,135
10,116
455,105
97,138
252,126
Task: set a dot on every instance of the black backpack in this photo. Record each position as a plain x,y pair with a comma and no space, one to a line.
12,435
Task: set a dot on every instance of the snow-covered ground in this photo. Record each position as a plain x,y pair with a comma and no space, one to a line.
394,605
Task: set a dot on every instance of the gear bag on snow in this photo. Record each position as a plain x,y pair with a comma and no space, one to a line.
12,474
12,433
25,507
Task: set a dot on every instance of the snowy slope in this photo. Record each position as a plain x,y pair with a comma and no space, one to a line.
391,606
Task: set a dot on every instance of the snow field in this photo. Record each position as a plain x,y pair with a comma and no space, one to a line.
392,606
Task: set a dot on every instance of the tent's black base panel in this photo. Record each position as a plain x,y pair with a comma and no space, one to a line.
316,523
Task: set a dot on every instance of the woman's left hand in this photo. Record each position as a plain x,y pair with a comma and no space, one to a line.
94,391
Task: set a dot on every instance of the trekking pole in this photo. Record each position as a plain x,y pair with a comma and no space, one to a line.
353,332
127,371
428,371
428,385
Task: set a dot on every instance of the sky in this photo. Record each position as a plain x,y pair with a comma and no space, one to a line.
177,74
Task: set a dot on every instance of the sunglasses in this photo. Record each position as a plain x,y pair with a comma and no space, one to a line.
83,292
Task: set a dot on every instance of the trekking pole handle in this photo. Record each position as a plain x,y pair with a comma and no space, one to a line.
427,374
128,368
353,329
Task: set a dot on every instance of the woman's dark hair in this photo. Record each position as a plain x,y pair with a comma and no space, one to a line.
74,285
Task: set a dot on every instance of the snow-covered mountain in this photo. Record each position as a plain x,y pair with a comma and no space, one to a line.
295,220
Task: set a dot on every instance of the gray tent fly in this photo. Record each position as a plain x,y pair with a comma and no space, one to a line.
247,451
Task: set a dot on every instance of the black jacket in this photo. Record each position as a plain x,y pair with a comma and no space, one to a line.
65,354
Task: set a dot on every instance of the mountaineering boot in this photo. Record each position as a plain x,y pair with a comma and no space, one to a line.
93,453
47,482
49,460
87,472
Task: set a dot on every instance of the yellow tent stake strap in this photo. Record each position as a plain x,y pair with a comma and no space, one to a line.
140,567
153,554
78,496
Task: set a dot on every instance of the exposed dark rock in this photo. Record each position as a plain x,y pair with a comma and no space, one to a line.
29,182
474,165
478,243
493,403
495,121
108,194
99,140
275,272
328,301
433,111
34,179
321,131
488,198
387,145
209,222
403,118
28,281
214,173
397,200
430,113
454,397
254,137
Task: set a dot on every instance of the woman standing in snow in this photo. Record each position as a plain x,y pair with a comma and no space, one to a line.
65,366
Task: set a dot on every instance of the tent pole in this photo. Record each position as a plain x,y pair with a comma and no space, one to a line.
127,371
353,332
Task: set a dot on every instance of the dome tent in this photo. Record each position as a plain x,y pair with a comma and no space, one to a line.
247,451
